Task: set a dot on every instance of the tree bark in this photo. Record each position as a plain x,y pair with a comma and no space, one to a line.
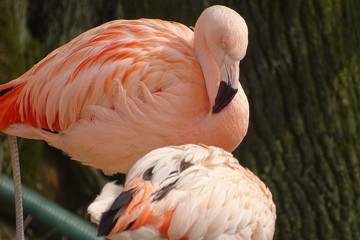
302,79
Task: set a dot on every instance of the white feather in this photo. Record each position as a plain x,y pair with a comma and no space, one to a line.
212,196
103,202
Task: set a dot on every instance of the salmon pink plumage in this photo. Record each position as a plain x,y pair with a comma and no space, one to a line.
118,91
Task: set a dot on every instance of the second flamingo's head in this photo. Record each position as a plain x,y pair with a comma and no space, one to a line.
220,42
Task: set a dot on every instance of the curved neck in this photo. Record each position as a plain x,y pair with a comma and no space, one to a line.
209,67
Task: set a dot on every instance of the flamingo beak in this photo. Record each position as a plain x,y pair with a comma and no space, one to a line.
228,86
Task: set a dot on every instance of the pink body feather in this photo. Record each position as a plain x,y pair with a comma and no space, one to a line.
117,91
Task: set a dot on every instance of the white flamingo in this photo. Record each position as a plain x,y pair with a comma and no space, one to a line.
186,192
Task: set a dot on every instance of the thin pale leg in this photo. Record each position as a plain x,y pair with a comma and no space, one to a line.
17,187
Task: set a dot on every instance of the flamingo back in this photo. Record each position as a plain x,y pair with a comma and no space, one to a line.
92,69
190,192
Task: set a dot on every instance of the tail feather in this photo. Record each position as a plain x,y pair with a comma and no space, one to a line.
12,109
6,90
9,107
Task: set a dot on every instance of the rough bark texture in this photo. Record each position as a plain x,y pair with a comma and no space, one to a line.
302,78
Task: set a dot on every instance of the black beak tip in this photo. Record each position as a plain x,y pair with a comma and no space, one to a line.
216,109
225,95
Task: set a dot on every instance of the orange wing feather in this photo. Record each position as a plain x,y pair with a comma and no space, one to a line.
94,59
9,109
137,212
10,113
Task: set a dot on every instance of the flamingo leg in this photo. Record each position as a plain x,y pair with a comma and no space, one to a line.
17,187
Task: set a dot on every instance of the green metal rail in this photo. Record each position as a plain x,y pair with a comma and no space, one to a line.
48,213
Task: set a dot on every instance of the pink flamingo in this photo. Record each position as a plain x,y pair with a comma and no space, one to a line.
129,86
122,89
186,192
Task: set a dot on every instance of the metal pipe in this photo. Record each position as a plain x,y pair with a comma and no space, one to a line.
48,213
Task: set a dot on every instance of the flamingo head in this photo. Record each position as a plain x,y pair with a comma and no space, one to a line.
221,40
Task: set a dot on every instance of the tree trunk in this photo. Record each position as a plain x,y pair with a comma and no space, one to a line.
302,79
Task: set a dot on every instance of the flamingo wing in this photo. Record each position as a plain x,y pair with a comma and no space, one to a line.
101,67
192,192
